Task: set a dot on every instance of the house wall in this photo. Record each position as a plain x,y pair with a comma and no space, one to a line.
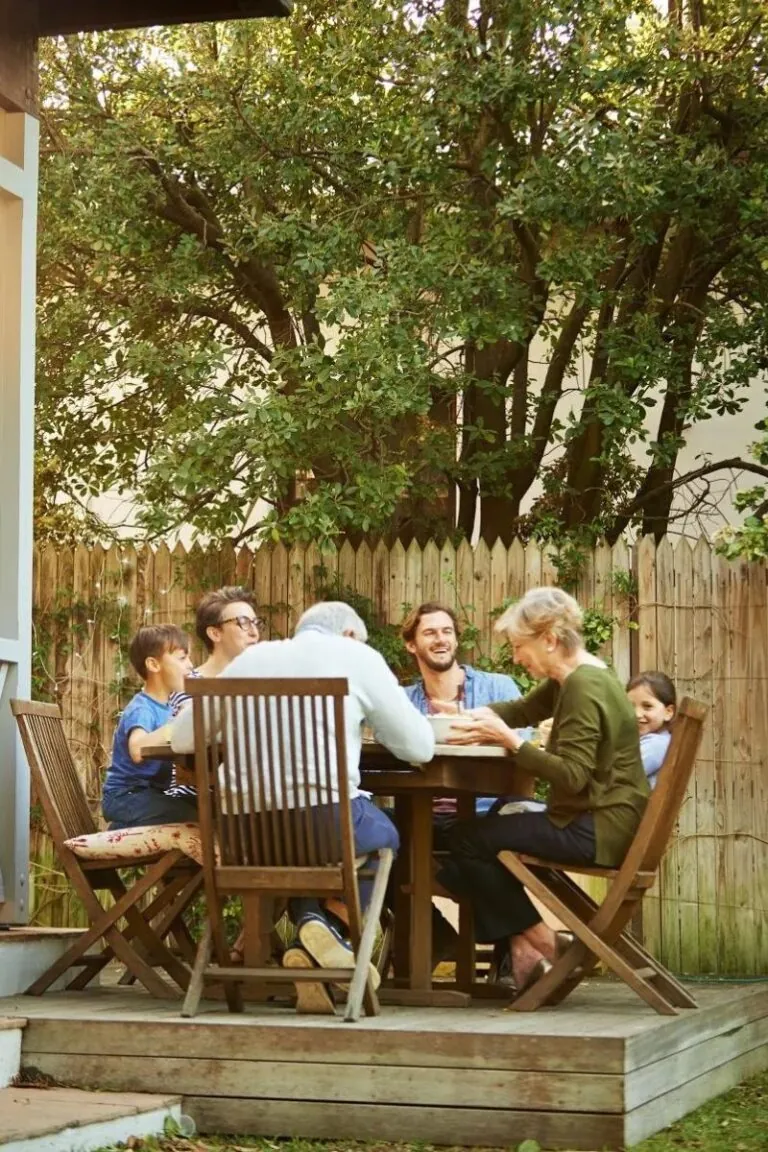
18,223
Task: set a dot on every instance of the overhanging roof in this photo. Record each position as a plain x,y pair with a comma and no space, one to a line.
60,17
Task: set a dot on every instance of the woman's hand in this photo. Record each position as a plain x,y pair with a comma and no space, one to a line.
545,731
483,726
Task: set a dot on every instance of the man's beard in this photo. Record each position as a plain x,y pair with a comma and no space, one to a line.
439,663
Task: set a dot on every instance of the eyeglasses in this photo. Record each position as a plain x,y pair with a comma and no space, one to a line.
245,623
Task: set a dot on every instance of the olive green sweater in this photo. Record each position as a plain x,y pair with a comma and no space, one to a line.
592,760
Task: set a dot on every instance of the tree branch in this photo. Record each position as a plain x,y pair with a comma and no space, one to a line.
734,462
206,308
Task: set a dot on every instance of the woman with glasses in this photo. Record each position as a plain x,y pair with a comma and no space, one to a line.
226,623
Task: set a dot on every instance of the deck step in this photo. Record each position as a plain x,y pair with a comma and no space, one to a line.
72,1120
11,1028
25,953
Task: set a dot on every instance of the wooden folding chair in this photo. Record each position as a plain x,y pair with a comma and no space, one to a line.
149,919
600,930
275,820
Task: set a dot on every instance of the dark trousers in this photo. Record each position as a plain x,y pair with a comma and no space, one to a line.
135,807
499,901
372,829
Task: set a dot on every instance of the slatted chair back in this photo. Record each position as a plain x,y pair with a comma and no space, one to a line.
663,808
277,791
54,773
601,929
275,820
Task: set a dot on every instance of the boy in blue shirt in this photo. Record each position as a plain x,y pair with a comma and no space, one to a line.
135,789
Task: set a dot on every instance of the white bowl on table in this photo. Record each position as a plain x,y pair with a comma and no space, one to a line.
442,725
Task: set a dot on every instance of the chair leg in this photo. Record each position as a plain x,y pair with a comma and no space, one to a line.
387,935
232,988
197,980
102,926
161,917
360,982
563,970
626,945
104,921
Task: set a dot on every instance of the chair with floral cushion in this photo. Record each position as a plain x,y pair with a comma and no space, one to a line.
151,906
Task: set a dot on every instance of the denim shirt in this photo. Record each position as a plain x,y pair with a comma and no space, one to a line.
480,688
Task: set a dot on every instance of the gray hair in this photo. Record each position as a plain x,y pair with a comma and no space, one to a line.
332,616
544,610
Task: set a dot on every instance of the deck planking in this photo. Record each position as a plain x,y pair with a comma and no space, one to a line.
599,1071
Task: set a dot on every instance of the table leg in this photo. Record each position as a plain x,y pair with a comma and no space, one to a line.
403,871
415,859
465,953
257,926
421,904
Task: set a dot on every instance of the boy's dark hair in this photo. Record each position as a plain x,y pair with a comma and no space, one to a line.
411,622
211,607
660,685
155,640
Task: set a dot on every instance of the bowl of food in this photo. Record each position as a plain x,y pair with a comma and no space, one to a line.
442,725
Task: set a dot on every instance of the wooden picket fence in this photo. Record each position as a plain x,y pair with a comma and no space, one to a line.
674,606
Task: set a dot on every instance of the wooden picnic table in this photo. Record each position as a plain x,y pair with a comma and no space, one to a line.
184,762
456,771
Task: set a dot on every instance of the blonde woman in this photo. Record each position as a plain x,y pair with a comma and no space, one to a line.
598,789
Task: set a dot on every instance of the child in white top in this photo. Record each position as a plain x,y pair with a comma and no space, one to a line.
654,699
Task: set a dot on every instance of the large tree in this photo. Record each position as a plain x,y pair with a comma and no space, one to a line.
383,264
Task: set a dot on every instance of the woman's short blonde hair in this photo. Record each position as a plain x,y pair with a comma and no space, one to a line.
544,610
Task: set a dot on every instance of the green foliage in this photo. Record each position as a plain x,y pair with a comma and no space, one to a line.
598,629
292,286
749,540
624,583
385,638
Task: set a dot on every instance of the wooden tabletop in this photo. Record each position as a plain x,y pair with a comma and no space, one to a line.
482,770
163,752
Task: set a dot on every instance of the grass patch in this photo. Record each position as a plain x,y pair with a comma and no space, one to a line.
736,1121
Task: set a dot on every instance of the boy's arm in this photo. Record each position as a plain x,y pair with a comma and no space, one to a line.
139,738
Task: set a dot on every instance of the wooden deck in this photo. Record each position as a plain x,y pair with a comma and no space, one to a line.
599,1072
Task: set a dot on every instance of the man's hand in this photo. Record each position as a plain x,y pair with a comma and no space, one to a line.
483,726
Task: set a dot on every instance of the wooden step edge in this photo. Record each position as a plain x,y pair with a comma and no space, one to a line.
10,1023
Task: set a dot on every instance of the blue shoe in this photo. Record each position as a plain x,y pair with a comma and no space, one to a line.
326,947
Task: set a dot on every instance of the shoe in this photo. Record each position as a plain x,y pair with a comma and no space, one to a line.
563,941
500,968
326,946
540,968
311,998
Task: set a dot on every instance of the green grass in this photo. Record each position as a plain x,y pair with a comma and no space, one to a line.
734,1122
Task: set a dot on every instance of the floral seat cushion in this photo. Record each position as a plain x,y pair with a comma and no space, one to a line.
130,844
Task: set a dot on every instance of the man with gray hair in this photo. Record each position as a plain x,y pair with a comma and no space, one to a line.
330,640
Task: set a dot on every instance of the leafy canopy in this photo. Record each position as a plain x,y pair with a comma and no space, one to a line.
386,267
